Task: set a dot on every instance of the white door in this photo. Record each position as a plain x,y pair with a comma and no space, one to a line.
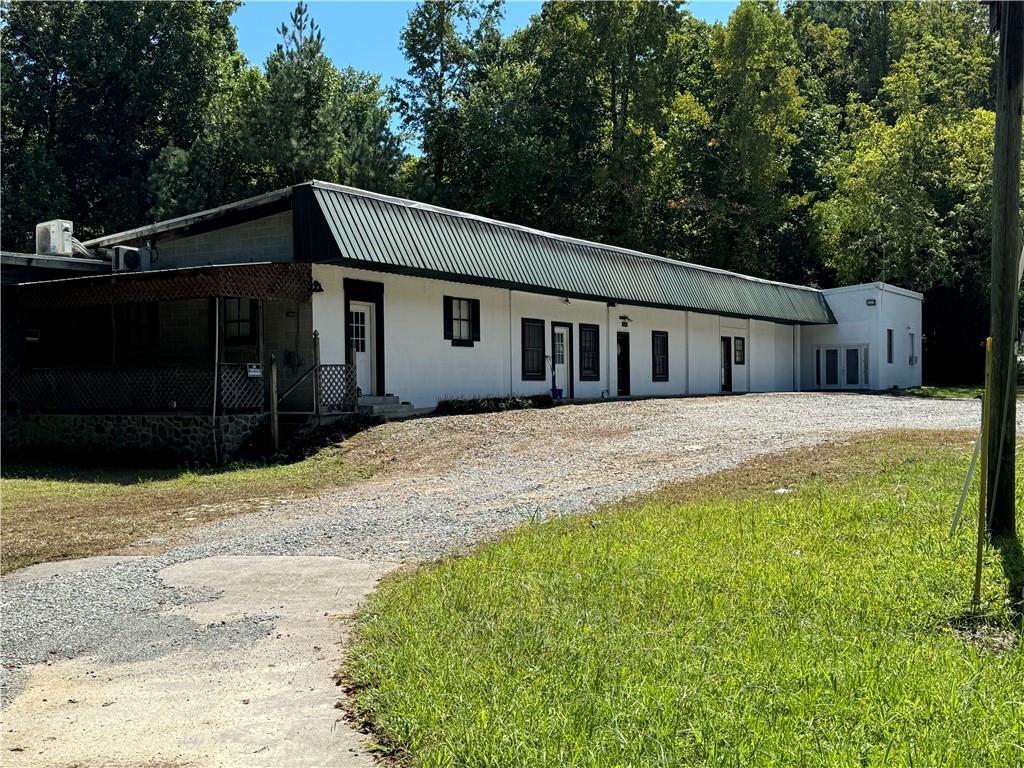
560,359
361,325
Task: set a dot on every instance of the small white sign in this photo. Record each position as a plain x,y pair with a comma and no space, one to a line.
255,370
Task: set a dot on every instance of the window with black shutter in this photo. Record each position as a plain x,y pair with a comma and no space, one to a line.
659,355
533,349
590,354
461,321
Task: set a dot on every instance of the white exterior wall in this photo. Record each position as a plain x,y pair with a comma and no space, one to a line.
422,367
704,346
786,343
902,313
864,325
642,322
553,309
761,356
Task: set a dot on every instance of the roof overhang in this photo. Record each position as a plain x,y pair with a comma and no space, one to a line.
263,280
353,227
16,268
349,227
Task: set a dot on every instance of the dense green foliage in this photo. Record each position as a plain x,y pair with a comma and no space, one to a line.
814,628
120,113
809,142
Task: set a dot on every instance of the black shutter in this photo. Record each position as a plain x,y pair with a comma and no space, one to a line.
532,349
474,314
659,355
590,356
447,317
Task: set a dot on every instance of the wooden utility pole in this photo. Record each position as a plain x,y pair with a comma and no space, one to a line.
1008,20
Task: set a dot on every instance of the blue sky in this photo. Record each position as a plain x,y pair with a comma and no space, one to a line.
364,35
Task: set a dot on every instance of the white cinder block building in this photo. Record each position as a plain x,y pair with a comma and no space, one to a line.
413,304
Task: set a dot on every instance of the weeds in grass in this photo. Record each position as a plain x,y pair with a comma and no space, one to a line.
52,512
463,406
711,625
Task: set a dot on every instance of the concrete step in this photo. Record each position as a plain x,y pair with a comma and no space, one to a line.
385,409
394,410
379,400
388,410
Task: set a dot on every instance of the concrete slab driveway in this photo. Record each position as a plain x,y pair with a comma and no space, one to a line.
221,652
267,701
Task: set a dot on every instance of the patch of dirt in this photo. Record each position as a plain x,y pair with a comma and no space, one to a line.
985,633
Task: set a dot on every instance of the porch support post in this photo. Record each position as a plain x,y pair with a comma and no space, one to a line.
275,434
216,375
260,343
316,373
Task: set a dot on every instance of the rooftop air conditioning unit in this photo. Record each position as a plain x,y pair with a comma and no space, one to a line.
53,238
126,259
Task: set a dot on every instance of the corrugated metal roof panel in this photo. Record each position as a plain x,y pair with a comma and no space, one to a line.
390,233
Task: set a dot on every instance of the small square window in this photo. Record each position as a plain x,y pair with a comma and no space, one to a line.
461,318
461,321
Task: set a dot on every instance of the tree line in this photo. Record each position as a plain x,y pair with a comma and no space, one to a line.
816,143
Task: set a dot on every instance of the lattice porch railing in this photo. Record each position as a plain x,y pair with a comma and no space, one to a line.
338,391
178,388
238,390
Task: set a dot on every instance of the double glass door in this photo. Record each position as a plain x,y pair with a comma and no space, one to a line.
842,368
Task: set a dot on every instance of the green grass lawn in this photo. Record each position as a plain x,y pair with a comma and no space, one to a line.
950,393
53,512
945,393
716,623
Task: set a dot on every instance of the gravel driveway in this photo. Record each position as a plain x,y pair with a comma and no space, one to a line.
448,482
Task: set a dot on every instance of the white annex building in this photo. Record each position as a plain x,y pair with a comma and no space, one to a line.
423,303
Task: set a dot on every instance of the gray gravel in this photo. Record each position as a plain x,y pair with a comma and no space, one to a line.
449,482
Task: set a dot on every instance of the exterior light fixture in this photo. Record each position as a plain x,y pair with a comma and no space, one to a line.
316,287
871,302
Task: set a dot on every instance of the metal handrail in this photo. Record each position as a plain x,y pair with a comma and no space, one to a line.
302,378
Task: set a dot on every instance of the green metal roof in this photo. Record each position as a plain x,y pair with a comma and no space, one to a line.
395,235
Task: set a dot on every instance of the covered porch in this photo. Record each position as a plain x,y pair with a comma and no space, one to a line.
218,345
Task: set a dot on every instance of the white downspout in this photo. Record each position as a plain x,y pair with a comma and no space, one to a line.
608,355
511,348
686,352
796,358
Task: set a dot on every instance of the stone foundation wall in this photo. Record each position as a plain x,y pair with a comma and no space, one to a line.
136,438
